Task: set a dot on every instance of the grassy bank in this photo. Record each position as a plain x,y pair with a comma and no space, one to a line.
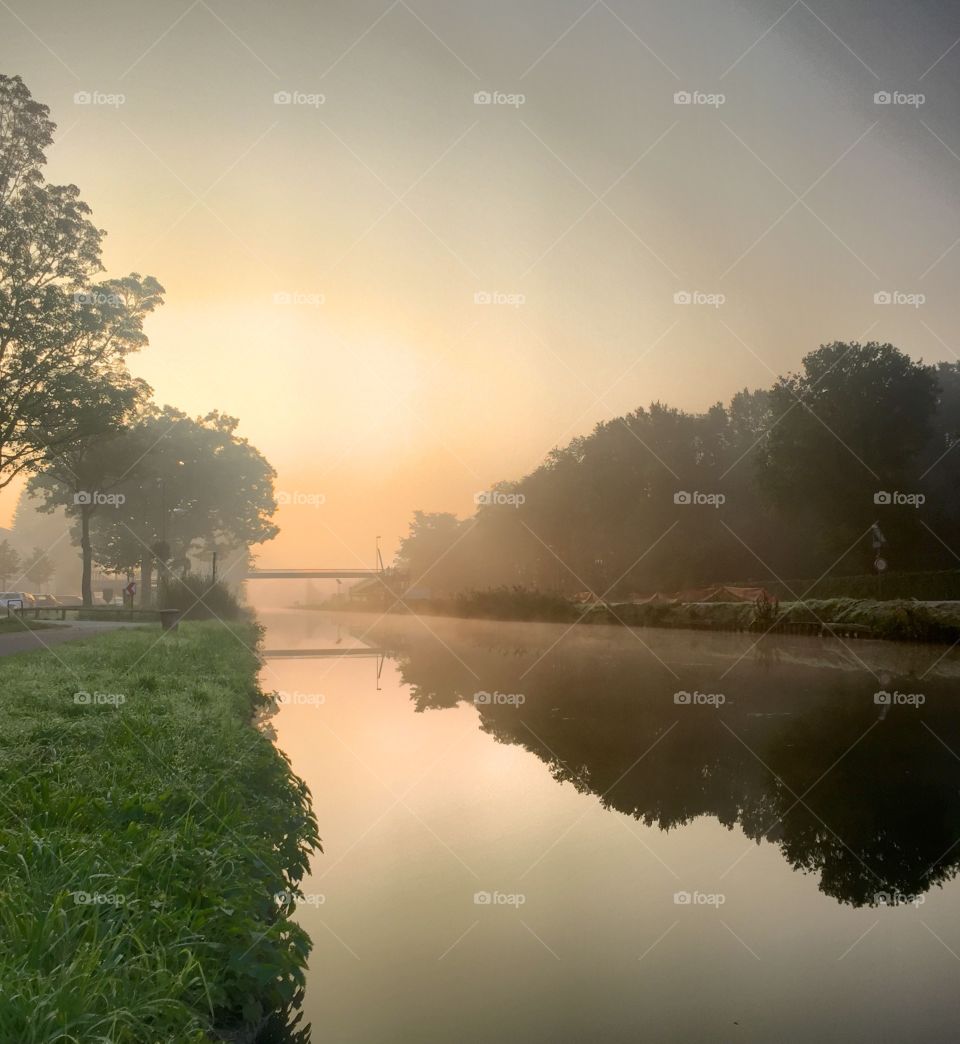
16,625
147,828
893,619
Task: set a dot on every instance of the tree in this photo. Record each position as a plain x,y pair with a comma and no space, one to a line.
171,488
850,426
38,569
82,480
64,335
10,563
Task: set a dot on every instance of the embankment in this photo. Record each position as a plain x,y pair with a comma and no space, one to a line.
148,829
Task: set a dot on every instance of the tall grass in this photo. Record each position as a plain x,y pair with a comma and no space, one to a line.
146,828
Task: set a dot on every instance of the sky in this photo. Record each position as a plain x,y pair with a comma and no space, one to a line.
414,245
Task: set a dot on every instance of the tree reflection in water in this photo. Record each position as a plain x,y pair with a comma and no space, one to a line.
799,754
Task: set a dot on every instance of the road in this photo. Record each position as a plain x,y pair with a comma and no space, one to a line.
27,641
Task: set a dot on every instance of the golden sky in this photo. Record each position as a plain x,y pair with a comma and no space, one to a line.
407,292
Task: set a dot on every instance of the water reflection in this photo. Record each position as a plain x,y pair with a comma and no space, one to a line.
792,742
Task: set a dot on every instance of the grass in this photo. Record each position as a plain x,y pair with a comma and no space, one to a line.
16,625
147,828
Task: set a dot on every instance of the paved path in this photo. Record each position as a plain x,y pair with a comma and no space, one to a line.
27,641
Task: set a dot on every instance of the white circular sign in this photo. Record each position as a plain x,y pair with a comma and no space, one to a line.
880,564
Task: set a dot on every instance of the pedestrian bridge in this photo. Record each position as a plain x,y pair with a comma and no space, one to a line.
313,574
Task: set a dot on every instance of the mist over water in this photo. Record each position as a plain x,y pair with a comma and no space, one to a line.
641,834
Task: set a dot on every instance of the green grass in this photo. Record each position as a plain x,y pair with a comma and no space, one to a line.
146,828
16,625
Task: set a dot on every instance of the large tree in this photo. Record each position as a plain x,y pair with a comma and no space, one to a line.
850,426
64,333
173,489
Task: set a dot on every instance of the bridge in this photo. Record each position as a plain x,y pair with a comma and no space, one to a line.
313,574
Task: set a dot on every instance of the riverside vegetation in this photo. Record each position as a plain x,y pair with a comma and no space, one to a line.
148,829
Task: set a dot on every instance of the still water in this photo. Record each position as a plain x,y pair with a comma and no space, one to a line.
540,834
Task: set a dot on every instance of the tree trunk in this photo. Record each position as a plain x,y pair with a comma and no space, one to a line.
86,585
146,578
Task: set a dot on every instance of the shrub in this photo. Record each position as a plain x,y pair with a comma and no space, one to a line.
199,598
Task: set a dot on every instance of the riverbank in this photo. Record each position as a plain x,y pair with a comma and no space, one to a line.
907,620
148,828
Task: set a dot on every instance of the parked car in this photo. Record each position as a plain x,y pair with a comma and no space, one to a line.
15,600
70,600
46,601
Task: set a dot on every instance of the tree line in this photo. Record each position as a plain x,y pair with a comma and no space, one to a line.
845,467
148,488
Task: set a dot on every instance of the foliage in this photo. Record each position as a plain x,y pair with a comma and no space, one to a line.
64,334
514,603
10,563
145,842
795,470
200,599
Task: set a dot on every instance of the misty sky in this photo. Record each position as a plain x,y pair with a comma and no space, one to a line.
406,295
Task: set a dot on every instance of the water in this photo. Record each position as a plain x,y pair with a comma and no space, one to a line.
814,830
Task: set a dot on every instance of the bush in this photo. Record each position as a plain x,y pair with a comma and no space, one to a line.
514,603
200,599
